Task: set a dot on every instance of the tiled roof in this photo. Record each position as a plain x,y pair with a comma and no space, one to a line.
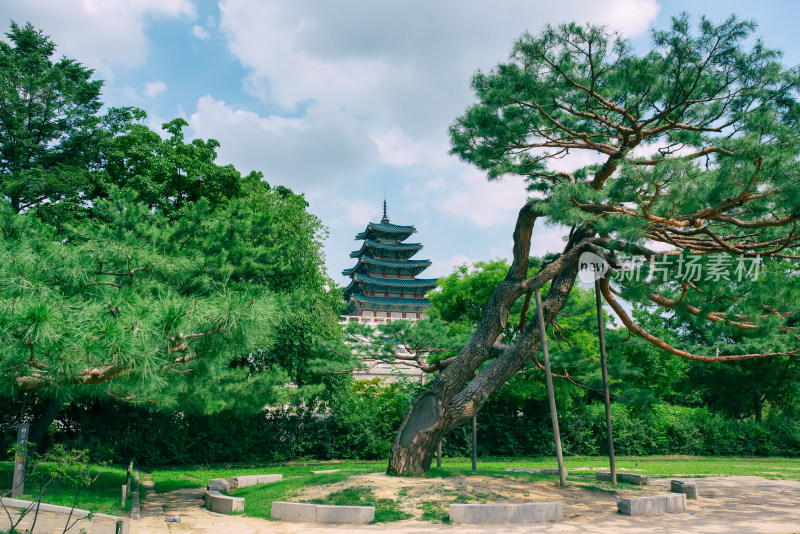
419,283
385,228
401,247
416,265
392,301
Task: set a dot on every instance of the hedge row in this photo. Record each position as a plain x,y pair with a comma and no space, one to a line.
363,428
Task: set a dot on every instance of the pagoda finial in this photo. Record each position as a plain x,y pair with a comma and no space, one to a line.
385,217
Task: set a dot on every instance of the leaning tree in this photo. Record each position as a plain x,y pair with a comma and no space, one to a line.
694,174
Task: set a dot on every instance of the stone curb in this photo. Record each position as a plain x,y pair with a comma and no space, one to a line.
44,507
687,488
223,504
529,512
321,513
653,505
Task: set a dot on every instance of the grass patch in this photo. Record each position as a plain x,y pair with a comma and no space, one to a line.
175,478
386,510
657,466
103,496
435,512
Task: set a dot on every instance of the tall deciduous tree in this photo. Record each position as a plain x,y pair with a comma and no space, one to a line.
49,121
167,174
696,148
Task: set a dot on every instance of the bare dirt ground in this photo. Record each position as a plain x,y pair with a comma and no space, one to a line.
726,504
578,501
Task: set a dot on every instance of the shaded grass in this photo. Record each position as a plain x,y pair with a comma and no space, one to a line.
657,466
171,479
435,512
103,496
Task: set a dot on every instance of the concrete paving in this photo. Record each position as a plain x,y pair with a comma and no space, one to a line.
52,522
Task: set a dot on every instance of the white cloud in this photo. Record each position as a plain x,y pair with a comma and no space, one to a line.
444,267
349,214
311,154
154,88
405,64
397,149
111,31
546,239
469,196
200,32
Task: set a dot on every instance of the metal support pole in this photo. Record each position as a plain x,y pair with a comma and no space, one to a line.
604,365
474,442
439,455
562,475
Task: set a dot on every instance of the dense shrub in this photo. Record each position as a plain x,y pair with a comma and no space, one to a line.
360,424
667,429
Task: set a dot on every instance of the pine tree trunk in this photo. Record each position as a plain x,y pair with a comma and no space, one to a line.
460,391
39,428
416,457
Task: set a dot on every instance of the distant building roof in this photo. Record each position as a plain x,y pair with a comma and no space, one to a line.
413,265
386,228
399,247
363,279
392,301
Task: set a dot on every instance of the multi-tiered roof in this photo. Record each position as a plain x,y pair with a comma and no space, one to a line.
384,280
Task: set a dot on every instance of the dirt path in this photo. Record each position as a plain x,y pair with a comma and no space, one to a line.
726,504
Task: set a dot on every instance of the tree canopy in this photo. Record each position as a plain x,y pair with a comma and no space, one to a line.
137,267
48,121
694,148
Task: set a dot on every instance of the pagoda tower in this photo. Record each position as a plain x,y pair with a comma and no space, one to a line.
384,283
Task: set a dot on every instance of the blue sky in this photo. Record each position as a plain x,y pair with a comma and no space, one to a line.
348,101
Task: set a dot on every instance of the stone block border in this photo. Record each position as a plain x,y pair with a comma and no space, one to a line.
653,505
321,513
630,478
687,488
529,512
225,504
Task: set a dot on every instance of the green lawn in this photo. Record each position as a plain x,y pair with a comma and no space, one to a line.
103,496
170,479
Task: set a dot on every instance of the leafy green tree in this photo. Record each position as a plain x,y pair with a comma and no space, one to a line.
153,274
49,122
696,148
167,174
644,376
741,388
